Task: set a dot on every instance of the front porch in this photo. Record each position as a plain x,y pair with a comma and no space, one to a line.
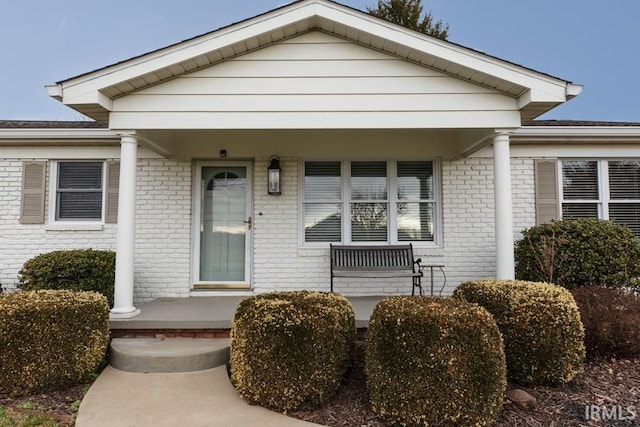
204,317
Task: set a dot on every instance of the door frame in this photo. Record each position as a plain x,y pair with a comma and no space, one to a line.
196,219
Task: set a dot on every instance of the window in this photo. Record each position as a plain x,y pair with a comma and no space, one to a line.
605,189
369,201
78,191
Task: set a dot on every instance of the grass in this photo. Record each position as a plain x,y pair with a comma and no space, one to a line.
10,418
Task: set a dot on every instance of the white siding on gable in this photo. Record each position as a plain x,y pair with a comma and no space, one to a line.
315,80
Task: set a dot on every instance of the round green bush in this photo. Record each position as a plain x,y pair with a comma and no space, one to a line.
76,270
291,349
50,339
432,361
611,319
540,324
578,252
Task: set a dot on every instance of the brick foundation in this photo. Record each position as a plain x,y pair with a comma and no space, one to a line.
190,333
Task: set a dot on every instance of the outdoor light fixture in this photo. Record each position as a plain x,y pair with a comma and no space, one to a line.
273,179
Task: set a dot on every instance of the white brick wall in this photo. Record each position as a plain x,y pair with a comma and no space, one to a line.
468,249
524,195
19,242
164,230
163,237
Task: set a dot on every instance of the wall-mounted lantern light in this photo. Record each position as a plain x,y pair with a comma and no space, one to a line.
273,178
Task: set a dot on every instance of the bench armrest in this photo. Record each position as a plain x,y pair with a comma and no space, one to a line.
417,263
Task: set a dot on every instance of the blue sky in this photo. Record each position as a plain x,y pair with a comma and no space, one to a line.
590,42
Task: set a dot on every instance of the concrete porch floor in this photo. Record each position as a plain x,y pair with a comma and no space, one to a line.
212,313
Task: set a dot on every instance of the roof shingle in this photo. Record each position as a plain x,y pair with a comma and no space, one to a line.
48,124
578,123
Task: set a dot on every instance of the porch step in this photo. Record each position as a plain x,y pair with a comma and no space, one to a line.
168,354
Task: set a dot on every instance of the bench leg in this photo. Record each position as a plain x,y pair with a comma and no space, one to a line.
416,284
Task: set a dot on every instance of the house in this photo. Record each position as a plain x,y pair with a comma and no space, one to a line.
382,136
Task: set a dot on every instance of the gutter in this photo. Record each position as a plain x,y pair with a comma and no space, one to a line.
91,136
575,134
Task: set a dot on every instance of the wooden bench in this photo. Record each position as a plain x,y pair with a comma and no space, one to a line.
376,262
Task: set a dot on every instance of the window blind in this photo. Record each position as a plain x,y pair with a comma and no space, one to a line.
369,216
322,207
624,180
369,205
414,210
580,180
79,191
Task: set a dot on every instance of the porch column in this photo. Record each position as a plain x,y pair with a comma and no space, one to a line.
503,210
125,249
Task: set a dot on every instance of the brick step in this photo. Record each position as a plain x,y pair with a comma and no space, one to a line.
168,354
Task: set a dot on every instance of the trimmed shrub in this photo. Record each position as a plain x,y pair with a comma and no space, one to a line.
291,349
76,270
50,339
611,319
579,252
540,324
434,361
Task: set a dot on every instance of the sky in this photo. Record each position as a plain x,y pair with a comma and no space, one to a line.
595,43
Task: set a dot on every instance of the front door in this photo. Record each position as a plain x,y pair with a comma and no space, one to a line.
223,225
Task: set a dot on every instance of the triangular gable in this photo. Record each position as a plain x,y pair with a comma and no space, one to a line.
315,80
93,93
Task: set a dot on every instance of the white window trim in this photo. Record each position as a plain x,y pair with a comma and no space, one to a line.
345,171
89,224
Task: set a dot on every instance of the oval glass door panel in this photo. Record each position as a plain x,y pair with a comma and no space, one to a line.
224,226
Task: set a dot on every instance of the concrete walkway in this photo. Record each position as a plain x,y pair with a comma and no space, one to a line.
192,399
185,399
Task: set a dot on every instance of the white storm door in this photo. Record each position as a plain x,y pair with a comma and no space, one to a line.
223,230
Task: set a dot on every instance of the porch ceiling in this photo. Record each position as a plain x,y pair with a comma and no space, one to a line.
321,143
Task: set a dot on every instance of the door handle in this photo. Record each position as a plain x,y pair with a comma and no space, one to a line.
248,222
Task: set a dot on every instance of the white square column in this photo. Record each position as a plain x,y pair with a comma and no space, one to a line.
125,248
505,264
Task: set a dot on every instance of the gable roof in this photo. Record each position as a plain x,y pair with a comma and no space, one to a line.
92,93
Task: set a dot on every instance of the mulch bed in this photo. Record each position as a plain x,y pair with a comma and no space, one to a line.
604,384
56,404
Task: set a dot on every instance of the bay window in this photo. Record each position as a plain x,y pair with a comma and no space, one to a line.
369,201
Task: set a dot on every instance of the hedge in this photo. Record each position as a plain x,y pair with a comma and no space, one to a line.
50,339
611,319
540,324
579,252
291,349
77,270
434,361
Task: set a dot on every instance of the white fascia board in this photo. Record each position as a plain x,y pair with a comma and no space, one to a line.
543,88
577,134
86,97
94,135
68,152
54,91
574,90
80,88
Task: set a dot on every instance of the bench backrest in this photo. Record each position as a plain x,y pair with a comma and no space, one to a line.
357,258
